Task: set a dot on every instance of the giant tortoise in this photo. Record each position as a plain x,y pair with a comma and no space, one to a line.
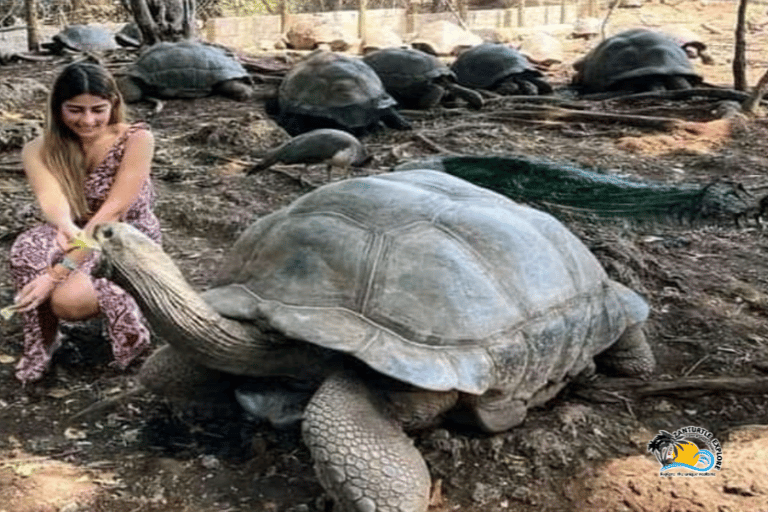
499,68
185,69
332,90
416,79
82,38
400,298
636,60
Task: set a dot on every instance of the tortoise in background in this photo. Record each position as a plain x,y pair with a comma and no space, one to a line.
82,38
312,34
331,90
543,50
381,38
444,38
499,68
395,298
416,79
186,69
633,61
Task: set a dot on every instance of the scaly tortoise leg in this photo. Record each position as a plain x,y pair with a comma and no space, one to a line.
631,355
362,457
168,373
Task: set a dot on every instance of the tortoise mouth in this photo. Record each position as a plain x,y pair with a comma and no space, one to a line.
104,267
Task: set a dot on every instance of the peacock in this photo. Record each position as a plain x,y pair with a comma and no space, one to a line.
567,190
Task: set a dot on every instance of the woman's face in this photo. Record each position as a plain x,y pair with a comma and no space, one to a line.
86,115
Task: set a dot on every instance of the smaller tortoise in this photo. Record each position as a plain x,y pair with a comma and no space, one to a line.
586,28
331,90
499,68
444,38
315,33
380,38
416,79
82,38
543,50
186,69
635,61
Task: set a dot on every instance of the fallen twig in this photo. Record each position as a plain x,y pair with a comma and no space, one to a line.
689,386
683,94
104,405
550,100
433,145
557,114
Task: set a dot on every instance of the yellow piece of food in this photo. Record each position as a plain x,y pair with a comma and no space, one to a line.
8,311
83,241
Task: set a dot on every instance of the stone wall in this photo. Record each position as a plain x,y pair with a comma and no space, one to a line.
254,33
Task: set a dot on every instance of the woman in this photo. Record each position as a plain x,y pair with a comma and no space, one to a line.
88,167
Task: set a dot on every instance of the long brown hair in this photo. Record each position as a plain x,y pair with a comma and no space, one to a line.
61,152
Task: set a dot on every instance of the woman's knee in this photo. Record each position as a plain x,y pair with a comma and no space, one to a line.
75,299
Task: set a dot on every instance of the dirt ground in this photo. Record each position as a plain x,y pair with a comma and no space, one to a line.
585,450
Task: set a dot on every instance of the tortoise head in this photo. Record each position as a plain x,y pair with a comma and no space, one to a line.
128,254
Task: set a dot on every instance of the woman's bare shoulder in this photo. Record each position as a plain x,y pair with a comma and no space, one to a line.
33,147
139,132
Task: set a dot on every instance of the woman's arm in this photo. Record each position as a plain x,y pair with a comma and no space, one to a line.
47,189
129,179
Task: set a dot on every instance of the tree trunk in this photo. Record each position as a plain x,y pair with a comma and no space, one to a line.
164,20
740,49
462,8
285,14
33,36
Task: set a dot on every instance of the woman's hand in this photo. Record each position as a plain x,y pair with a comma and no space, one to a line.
36,292
65,234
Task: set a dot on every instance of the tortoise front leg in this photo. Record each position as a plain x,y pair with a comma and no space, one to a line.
362,457
169,373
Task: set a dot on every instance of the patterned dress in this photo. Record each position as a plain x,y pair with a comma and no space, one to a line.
35,249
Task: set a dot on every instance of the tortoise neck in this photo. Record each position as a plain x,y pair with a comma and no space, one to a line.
179,315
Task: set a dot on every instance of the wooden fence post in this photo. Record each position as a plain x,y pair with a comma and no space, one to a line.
33,35
361,20
410,17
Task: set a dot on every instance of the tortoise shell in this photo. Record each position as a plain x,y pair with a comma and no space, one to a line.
185,69
632,54
430,280
486,65
85,38
341,89
407,73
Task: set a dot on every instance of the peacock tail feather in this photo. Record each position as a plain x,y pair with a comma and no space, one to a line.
568,190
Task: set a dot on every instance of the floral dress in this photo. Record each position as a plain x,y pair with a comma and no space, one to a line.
35,249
